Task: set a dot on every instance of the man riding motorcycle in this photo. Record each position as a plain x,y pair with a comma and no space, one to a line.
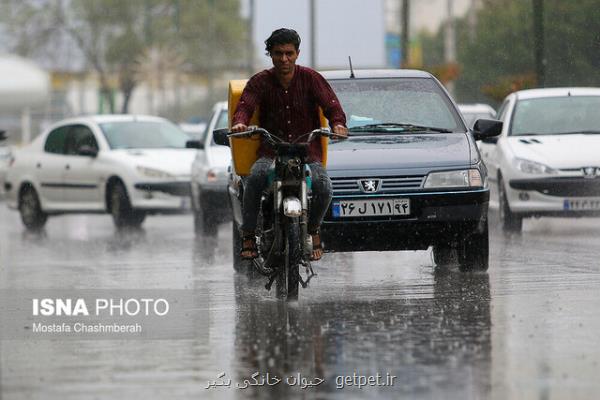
289,97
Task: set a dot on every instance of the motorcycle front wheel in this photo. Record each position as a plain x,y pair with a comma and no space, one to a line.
287,282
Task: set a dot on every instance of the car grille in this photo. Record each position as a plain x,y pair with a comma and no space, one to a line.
561,187
576,171
392,184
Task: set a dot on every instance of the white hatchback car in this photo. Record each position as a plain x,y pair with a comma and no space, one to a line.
127,165
210,202
546,162
5,156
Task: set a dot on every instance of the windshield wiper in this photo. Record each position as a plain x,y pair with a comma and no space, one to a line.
396,127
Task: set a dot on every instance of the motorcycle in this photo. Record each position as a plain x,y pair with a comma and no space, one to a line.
283,242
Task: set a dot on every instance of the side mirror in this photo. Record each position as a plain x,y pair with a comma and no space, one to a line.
220,136
194,144
87,151
487,130
3,135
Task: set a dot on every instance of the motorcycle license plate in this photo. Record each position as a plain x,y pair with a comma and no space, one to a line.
370,208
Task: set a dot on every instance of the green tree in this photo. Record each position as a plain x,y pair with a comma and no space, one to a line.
502,47
499,58
572,42
115,36
96,26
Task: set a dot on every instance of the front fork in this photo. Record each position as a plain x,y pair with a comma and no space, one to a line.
277,204
279,222
305,237
306,240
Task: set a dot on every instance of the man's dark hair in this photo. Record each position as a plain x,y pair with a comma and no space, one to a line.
282,36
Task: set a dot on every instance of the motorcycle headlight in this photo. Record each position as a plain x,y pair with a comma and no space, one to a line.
460,178
533,167
153,173
292,207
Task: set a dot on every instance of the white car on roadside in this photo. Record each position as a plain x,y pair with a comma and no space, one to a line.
194,131
5,157
546,162
475,111
210,203
126,165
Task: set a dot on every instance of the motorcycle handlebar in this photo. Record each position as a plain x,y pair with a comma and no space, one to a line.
251,131
311,135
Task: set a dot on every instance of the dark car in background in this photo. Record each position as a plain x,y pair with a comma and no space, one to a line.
410,175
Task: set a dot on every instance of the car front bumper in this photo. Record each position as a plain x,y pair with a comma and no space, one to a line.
176,188
561,196
436,217
162,197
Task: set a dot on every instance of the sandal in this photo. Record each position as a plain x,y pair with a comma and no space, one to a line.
317,247
249,250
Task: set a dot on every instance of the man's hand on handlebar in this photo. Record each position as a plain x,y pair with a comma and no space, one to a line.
340,130
239,128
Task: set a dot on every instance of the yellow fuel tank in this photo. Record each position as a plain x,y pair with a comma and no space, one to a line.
243,150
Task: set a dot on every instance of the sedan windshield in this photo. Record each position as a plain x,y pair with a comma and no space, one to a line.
396,105
143,135
557,115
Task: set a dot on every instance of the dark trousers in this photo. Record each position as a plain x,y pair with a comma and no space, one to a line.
257,182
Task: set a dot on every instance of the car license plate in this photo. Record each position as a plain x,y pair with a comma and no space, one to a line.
581,204
370,208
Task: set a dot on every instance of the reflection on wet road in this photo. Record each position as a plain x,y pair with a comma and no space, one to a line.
526,329
427,341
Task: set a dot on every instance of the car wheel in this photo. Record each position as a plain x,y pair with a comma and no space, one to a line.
443,254
510,222
123,214
473,251
204,222
30,209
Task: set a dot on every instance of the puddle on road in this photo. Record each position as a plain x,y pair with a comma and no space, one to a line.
526,328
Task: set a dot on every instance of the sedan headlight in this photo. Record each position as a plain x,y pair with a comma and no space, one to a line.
532,167
153,173
460,178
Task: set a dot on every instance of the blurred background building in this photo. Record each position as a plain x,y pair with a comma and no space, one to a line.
174,57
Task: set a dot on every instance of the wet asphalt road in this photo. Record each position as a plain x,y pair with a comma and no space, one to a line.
527,329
